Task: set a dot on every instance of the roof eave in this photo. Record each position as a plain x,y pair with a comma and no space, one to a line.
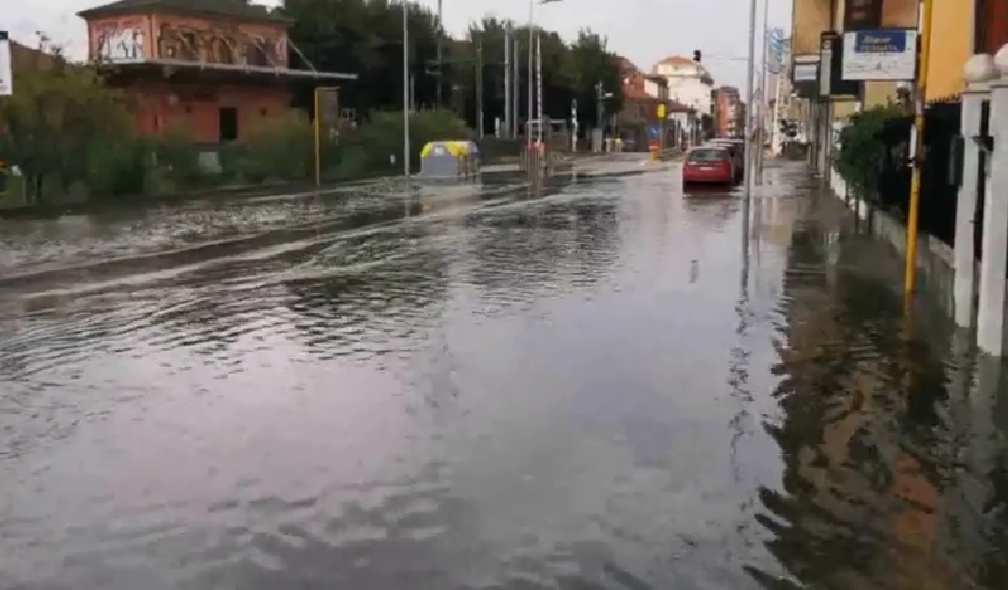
101,11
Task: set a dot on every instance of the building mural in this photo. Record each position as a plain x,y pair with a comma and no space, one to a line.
221,43
120,42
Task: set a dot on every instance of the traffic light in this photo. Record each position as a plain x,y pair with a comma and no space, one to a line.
696,55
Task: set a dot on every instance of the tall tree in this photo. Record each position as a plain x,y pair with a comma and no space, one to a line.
365,37
594,64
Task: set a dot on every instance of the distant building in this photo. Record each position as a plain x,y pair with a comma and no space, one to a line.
216,67
689,82
729,112
656,86
638,123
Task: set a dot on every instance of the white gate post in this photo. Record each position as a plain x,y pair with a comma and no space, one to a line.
978,72
991,312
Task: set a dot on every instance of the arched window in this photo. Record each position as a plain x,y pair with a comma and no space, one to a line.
223,52
256,55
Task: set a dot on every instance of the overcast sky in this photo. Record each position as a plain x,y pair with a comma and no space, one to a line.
642,30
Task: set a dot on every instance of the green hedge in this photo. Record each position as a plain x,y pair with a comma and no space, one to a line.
862,149
280,149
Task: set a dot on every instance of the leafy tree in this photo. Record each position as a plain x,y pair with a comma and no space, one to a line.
593,63
59,113
365,37
862,150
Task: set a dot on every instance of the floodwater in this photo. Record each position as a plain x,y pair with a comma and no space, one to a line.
600,387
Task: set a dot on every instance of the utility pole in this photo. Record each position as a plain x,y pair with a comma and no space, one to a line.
598,105
749,110
507,80
406,92
763,94
539,90
479,86
516,106
440,55
531,86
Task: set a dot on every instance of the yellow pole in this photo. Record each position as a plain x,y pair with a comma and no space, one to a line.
924,38
317,127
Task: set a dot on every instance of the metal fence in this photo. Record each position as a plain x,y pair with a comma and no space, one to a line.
939,175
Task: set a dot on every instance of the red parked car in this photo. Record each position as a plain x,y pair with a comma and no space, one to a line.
709,164
737,149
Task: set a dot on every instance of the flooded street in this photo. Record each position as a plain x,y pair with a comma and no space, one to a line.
589,389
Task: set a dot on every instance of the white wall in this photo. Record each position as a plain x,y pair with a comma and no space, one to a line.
652,88
689,84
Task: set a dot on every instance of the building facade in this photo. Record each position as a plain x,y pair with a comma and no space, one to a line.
729,112
656,86
213,67
638,123
689,83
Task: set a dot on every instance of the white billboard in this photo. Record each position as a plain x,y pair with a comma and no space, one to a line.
882,54
6,75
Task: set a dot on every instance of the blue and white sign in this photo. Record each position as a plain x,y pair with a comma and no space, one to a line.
776,48
882,54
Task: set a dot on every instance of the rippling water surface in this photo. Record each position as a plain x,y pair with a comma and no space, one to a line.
588,389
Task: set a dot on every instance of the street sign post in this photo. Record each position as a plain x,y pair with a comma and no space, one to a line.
661,126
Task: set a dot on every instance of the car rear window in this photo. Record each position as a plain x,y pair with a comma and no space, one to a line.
708,155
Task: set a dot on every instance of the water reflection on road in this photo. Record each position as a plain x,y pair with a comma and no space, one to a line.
565,391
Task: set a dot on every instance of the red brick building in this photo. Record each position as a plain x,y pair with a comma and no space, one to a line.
215,67
642,95
729,112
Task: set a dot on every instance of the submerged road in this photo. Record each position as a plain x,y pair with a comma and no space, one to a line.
599,387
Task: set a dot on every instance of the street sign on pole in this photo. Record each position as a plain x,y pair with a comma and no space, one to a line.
6,75
776,47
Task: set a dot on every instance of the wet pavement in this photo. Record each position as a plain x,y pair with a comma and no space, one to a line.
600,387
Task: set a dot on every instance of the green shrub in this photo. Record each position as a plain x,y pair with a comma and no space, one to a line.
231,156
381,136
862,149
279,148
177,155
119,169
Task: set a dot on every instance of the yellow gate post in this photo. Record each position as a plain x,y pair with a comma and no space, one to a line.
661,130
913,213
333,111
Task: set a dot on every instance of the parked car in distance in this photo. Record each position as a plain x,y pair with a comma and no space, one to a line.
709,165
737,149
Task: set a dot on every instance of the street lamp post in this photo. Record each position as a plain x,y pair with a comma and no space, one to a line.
531,89
539,90
406,91
749,109
598,106
600,96
534,46
764,79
